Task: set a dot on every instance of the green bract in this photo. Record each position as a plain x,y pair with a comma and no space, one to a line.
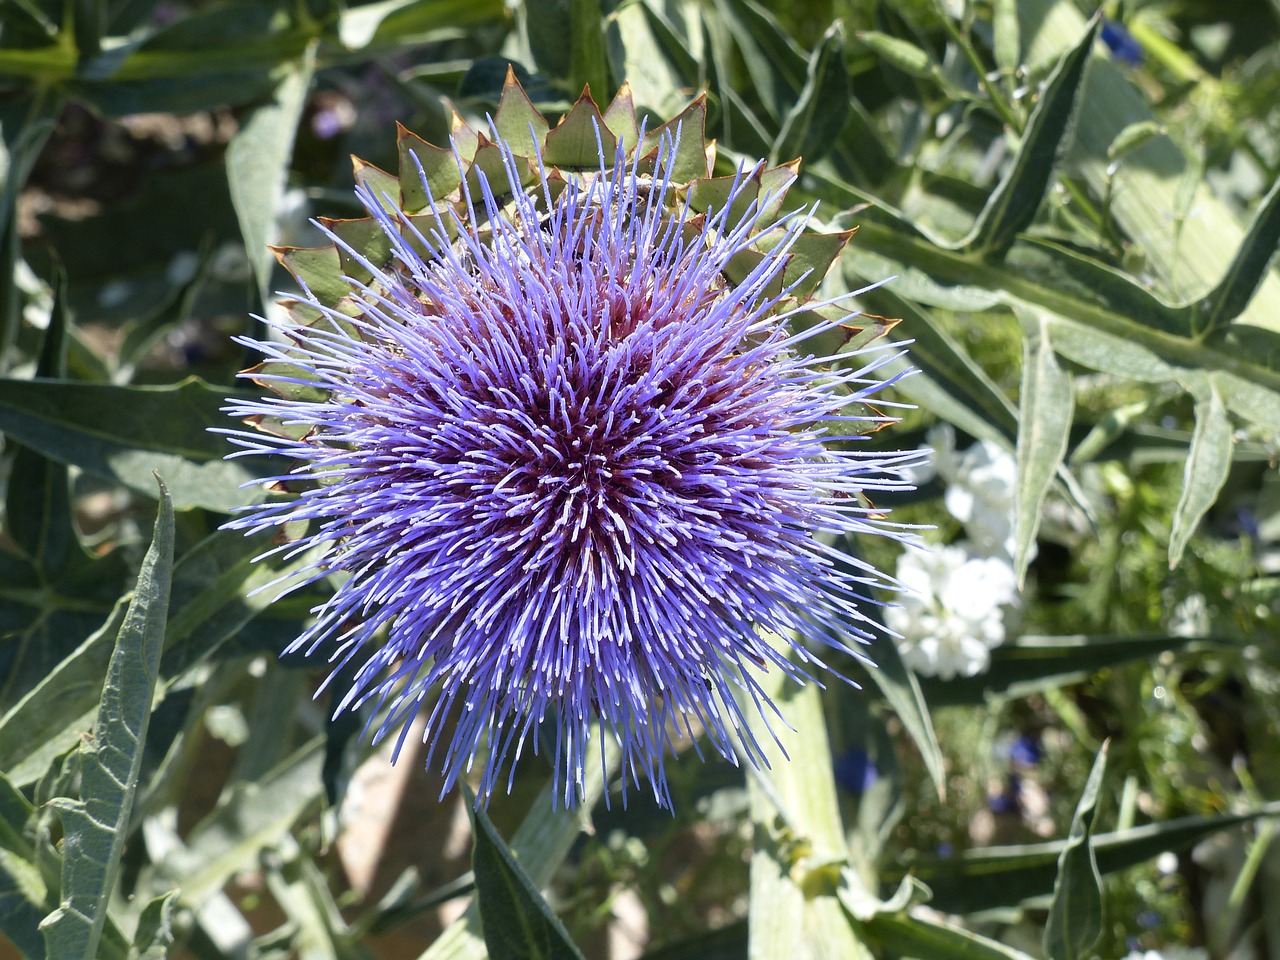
571,150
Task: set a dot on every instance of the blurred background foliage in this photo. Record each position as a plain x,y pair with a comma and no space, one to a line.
1080,209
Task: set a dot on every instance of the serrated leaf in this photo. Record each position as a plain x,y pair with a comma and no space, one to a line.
812,126
808,260
258,160
517,922
489,163
1208,463
95,826
1075,917
59,710
1044,426
1015,200
1248,268
710,195
123,433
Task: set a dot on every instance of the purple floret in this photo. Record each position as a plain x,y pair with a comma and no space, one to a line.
570,475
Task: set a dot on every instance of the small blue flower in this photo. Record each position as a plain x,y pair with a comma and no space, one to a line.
1122,44
1025,751
855,771
565,473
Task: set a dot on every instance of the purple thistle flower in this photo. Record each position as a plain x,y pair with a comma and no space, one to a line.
570,475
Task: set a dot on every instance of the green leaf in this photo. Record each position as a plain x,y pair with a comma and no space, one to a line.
123,433
548,23
1004,27
638,47
89,22
1014,202
1248,268
1099,350
1075,918
155,929
59,710
302,891
25,124
252,818
319,269
774,61
24,894
258,161
812,126
1005,876
1145,204
1044,425
517,922
909,935
953,385
1132,138
410,22
1031,664
210,602
900,54
1208,463
95,825
522,127
724,943
799,846
38,498
588,62
901,688
540,844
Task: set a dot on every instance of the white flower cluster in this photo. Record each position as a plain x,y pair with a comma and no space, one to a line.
1170,953
953,611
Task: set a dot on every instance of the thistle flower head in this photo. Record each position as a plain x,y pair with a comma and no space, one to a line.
560,433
